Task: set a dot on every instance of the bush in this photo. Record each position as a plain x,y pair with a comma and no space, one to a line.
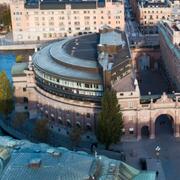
19,58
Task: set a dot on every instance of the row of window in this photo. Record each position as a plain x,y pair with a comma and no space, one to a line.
68,112
62,26
152,12
152,17
70,90
65,11
68,122
66,83
63,18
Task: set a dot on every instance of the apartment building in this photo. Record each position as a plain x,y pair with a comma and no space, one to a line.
149,13
170,49
4,1
46,19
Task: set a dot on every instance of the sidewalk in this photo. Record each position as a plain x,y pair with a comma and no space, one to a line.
155,165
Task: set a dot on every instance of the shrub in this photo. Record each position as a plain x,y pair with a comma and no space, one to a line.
19,58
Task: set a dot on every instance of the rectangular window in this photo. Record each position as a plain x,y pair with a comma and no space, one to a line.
131,130
86,85
88,115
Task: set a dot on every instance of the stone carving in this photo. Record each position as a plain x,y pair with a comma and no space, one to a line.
164,99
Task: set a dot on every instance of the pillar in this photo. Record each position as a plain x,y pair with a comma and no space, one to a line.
152,129
138,126
176,124
138,132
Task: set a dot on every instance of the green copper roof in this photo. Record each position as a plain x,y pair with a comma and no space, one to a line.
130,173
18,68
123,171
145,175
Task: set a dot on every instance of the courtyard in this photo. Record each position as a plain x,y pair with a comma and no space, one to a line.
153,82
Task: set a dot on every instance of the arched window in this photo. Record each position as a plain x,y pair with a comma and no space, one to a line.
78,124
68,123
60,121
52,117
88,127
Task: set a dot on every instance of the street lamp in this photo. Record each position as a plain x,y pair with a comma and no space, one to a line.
157,150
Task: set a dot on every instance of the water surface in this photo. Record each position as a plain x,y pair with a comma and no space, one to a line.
6,63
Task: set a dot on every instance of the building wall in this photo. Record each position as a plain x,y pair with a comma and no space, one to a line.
36,24
170,62
20,91
4,1
148,17
66,112
153,54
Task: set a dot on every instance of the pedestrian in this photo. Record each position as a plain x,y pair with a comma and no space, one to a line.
157,173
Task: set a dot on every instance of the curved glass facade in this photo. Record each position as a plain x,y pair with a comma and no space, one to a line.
70,89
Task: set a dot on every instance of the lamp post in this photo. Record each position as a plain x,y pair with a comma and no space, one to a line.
157,151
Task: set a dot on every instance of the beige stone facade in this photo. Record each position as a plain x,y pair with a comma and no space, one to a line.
5,2
149,14
136,115
34,24
68,112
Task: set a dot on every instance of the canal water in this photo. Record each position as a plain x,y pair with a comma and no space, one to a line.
6,62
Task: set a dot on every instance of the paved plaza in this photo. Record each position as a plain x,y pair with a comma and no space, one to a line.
169,154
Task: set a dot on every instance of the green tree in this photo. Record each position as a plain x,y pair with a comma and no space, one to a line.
6,95
41,130
110,123
19,58
75,136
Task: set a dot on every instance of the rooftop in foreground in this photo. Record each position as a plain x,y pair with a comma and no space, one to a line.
40,161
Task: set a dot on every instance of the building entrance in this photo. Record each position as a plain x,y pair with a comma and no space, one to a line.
164,125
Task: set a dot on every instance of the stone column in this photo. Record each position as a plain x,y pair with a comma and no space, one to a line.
152,128
176,124
138,126
152,123
138,132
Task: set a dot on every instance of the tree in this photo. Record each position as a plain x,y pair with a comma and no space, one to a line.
110,123
19,58
6,95
41,130
19,119
75,136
